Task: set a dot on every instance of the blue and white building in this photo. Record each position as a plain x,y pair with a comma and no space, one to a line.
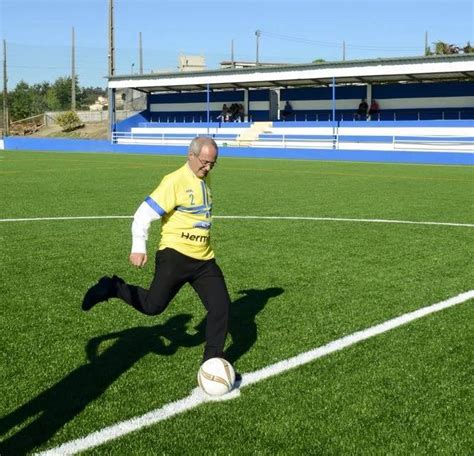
412,88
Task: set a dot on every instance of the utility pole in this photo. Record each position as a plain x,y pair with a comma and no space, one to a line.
257,34
232,63
111,39
343,50
426,43
111,92
73,73
140,52
6,119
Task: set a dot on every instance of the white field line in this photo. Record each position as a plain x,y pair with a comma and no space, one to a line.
197,397
86,217
338,219
248,217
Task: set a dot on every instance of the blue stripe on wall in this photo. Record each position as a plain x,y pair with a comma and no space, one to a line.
198,97
93,146
259,95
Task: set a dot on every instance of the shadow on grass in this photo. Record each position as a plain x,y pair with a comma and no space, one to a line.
48,412
242,325
56,406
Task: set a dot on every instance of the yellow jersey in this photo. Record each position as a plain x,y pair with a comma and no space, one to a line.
184,202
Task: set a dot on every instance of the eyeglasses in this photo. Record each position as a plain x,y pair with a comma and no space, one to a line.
205,163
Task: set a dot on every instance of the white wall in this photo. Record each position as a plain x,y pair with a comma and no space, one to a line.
91,116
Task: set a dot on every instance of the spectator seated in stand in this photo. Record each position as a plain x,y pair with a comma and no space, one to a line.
361,113
224,115
287,112
374,110
234,112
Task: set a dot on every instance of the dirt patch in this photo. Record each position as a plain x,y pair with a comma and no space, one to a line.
90,130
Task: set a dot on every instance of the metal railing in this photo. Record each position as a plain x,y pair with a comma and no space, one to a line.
165,138
438,143
336,141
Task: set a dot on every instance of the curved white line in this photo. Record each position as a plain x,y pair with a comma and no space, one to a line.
197,397
86,217
250,217
339,219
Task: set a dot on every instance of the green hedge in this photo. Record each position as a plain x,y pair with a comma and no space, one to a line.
69,121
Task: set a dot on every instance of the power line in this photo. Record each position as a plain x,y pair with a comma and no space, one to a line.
300,40
30,67
336,44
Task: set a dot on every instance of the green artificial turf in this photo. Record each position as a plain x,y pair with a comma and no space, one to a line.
295,285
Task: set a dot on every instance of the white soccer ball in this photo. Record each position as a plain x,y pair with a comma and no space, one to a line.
216,377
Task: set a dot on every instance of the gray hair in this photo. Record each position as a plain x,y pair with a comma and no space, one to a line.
199,142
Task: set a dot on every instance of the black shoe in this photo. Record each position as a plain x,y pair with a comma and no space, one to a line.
101,291
238,378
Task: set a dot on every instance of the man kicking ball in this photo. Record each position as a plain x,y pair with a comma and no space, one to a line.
183,202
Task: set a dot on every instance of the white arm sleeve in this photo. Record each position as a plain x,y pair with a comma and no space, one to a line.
141,223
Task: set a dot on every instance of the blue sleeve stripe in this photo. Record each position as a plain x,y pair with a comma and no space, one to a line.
156,207
190,208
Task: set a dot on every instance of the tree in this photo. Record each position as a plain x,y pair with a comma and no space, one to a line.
38,100
468,49
52,100
26,101
62,91
442,48
29,100
20,101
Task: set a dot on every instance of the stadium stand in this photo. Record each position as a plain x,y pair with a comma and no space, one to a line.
353,135
415,101
437,135
422,102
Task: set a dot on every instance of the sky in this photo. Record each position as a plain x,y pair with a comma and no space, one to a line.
38,33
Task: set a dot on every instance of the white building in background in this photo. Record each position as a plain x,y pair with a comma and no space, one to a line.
191,62
100,104
240,64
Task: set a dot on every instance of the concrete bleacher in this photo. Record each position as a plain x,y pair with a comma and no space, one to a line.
181,133
416,135
409,135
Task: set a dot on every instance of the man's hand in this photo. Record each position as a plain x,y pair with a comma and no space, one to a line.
138,259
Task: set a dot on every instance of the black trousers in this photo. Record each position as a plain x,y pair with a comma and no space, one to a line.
172,271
